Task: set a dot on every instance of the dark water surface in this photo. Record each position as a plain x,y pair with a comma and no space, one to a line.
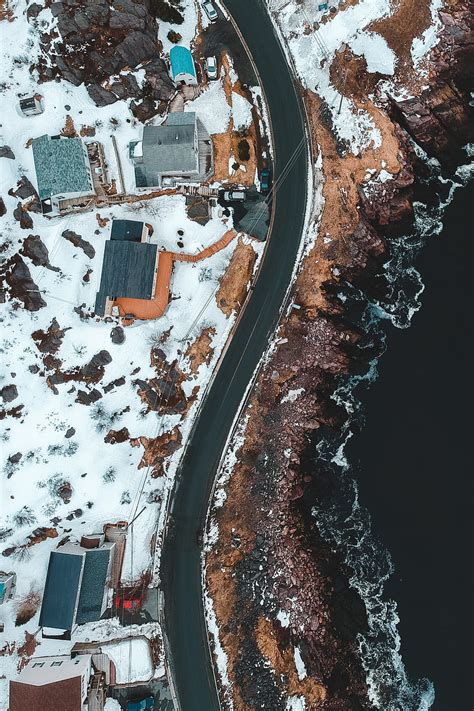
416,467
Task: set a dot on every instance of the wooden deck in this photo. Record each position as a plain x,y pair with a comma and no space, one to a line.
154,308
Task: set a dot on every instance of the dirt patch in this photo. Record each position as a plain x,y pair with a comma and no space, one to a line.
26,608
234,284
157,449
409,20
200,351
273,648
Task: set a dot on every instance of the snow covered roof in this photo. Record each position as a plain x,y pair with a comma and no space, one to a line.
60,166
169,148
128,271
181,62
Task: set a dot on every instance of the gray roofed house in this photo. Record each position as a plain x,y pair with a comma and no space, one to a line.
62,171
75,591
180,149
128,271
92,599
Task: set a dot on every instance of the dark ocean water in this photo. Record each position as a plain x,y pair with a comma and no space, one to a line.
414,464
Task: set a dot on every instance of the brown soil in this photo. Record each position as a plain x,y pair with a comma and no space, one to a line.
281,658
409,20
234,283
26,608
200,351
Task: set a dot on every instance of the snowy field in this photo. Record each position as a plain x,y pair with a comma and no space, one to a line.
102,480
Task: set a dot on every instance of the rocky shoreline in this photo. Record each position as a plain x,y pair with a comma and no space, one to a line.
275,583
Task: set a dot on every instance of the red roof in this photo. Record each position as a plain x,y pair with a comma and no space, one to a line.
64,695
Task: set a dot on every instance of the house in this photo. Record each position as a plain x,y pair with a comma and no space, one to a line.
32,105
129,265
77,585
7,586
61,682
183,70
179,150
63,172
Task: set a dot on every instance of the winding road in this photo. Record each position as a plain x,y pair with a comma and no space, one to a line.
189,659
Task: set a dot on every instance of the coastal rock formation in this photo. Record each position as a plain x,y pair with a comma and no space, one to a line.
275,583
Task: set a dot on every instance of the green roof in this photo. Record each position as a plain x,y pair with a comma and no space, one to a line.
60,166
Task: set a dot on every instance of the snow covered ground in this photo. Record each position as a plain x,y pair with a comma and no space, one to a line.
105,482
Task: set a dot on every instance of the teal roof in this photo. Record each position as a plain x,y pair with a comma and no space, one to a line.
60,166
181,61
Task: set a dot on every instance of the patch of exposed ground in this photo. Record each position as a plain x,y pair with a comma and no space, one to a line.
200,351
409,19
234,283
240,146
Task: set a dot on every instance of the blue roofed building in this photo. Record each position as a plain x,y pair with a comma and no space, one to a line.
63,171
76,588
183,70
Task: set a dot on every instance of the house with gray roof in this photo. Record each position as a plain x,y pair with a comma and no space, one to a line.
63,171
76,587
179,150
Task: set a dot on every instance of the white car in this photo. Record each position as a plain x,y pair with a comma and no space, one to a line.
234,196
211,67
210,11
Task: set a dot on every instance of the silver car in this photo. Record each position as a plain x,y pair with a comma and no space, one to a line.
210,11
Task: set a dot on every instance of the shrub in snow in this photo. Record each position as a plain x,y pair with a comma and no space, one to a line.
24,517
126,498
104,419
26,607
205,274
109,474
21,553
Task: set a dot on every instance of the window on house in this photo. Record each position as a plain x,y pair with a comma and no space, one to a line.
56,664
38,664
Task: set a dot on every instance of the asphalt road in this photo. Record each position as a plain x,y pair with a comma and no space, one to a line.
181,559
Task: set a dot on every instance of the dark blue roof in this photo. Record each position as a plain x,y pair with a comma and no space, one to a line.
61,590
93,585
130,230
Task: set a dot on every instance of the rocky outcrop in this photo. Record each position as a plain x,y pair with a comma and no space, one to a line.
16,275
99,39
34,248
77,241
441,119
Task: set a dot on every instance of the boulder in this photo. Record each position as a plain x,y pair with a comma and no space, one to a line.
34,249
100,96
6,152
9,393
20,214
117,335
77,241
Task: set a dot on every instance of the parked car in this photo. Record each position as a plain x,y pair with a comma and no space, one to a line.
234,195
211,67
210,11
265,181
147,703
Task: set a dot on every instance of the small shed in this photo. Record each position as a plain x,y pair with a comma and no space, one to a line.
7,586
31,105
129,230
183,70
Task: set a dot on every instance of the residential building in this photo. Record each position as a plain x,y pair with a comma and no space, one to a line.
179,150
31,105
77,585
7,586
63,172
129,265
183,70
58,683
